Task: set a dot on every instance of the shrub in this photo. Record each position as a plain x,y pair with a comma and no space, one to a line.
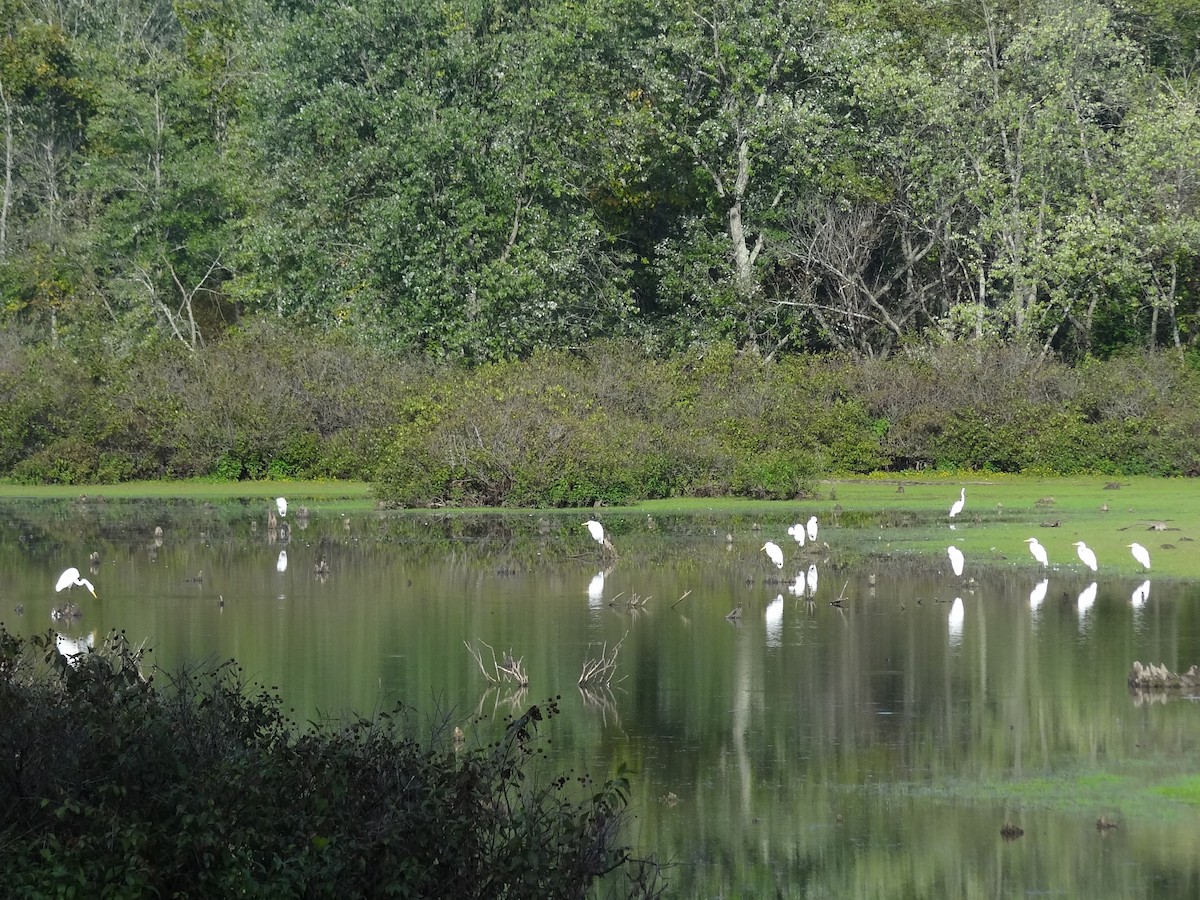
112,786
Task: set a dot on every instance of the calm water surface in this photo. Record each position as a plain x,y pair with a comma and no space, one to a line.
871,749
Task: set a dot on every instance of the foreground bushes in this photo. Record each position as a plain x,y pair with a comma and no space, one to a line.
111,786
604,424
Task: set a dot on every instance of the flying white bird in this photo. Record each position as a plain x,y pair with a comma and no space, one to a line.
1141,594
811,527
1038,551
1141,554
1038,594
956,559
774,553
281,505
1087,598
71,577
958,505
281,563
1086,555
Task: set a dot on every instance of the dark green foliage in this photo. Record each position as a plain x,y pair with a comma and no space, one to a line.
113,786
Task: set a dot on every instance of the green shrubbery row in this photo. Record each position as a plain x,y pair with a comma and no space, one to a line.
113,787
605,424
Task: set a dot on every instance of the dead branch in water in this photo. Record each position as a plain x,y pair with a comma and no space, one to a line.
600,670
509,668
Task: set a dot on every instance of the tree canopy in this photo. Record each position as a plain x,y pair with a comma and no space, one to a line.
476,180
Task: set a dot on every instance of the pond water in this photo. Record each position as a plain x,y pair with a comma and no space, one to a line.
872,748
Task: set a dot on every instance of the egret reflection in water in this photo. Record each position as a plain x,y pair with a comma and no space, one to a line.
1038,594
810,579
774,620
281,562
955,622
1140,594
1086,599
595,589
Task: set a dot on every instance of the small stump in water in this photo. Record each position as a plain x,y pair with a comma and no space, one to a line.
1160,677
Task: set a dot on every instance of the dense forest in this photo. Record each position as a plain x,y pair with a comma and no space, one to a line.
560,252
474,180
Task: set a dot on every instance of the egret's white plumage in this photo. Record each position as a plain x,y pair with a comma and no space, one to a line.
1087,598
797,531
811,527
1038,551
956,559
958,504
281,505
1038,594
774,553
73,648
1141,554
596,530
1086,555
71,577
1141,594
281,562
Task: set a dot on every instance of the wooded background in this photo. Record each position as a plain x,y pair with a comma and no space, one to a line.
475,180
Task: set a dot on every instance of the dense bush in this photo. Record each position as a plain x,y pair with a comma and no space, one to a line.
112,786
605,424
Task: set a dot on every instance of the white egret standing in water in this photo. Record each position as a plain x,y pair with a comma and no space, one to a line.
281,505
71,577
1141,554
1038,551
774,553
73,648
956,559
797,531
1141,594
1086,599
958,504
1038,594
1086,555
281,563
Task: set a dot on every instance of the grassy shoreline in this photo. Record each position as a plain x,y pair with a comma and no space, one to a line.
1000,513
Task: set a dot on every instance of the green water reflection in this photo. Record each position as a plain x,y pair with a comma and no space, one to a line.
874,749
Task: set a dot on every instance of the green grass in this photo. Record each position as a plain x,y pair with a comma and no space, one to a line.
1001,512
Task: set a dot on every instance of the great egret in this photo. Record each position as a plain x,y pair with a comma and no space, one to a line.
71,577
1141,554
1141,594
958,504
774,553
797,531
811,579
596,530
811,528
1038,551
1038,594
1086,555
956,559
72,648
281,562
1087,598
281,505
